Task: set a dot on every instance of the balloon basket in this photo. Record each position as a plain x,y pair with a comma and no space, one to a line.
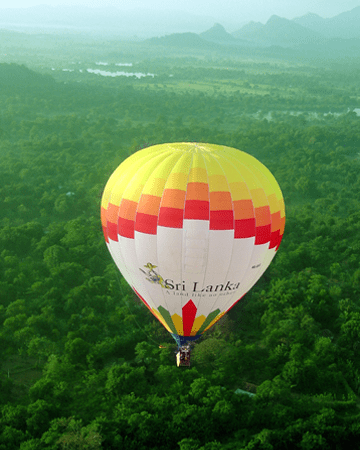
182,340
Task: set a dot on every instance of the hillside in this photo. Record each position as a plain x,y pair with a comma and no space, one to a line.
181,40
336,49
20,77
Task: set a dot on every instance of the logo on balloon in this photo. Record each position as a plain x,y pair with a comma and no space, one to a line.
153,276
156,278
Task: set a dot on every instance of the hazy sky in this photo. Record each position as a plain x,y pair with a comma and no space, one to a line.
240,10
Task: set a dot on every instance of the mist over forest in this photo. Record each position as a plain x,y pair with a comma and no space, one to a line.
83,363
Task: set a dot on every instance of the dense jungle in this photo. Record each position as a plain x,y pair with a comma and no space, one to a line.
84,365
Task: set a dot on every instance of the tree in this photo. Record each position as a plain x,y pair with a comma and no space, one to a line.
40,348
189,444
77,351
125,379
146,353
199,388
54,256
210,352
78,437
274,390
70,433
311,440
39,415
11,438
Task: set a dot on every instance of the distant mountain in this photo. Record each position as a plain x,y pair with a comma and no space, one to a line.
310,20
249,29
345,25
278,31
217,33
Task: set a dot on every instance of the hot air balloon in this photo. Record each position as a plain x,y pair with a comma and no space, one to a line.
192,227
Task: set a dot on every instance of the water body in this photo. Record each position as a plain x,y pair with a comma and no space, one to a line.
269,115
100,63
105,73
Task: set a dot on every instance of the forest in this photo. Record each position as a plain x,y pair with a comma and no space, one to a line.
84,365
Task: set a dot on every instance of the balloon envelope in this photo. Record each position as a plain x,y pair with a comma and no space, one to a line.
192,227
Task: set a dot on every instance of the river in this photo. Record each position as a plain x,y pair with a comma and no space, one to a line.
109,73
